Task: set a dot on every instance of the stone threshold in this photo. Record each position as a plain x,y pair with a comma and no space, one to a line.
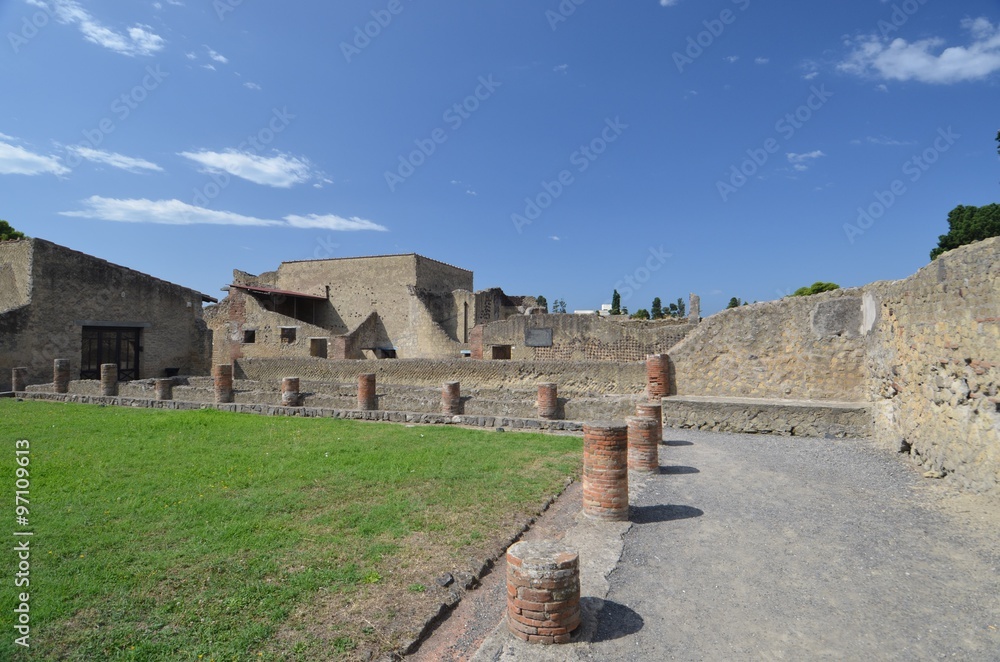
424,418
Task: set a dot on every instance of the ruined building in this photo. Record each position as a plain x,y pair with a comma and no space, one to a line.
59,303
385,306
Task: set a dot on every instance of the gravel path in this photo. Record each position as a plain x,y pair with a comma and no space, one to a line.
776,548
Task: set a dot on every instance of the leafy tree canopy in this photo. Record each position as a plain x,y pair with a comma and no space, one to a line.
656,312
616,303
969,224
641,314
7,232
734,303
815,288
542,303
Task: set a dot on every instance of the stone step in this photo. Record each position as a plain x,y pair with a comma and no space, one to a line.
802,418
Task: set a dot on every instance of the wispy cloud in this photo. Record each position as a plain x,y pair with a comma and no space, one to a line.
16,160
251,86
137,40
732,58
890,142
761,60
115,160
561,69
280,171
212,54
668,3
801,161
175,212
927,60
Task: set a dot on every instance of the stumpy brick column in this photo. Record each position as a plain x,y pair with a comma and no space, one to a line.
18,377
164,389
290,392
548,401
60,375
657,376
451,398
605,471
643,446
109,379
543,592
652,410
367,400
223,375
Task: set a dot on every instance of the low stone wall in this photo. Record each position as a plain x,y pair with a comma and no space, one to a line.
762,416
593,378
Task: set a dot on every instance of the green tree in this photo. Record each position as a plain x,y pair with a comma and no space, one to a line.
7,232
624,310
542,303
681,308
733,303
815,288
969,224
559,306
656,311
616,303
641,314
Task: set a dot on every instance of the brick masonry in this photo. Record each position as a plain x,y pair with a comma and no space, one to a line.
223,376
548,400
109,379
605,471
451,398
543,592
653,410
290,392
643,445
367,398
60,375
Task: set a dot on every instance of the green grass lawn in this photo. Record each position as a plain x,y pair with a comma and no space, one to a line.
204,535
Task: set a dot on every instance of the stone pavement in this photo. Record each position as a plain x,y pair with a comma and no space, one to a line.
776,548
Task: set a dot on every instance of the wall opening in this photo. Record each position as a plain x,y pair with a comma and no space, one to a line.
249,336
288,334
107,344
385,353
317,347
501,352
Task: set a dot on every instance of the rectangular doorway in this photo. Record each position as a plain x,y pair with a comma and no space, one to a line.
108,344
501,352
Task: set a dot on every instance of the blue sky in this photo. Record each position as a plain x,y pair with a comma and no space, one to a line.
727,148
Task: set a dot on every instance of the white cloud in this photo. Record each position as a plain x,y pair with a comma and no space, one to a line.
210,67
333,222
927,60
251,86
811,75
138,40
216,56
175,212
191,56
281,171
115,160
801,161
732,58
889,142
761,60
668,3
561,69
554,238
16,160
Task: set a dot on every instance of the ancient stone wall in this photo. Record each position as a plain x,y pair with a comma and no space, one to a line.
933,364
70,290
582,337
576,378
800,348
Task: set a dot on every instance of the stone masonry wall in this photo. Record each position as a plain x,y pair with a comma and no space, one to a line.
572,378
584,337
804,348
933,365
70,290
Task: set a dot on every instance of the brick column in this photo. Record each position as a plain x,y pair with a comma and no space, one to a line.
164,389
451,398
18,376
543,592
643,446
367,400
109,379
223,375
290,392
605,471
548,401
652,410
657,376
60,375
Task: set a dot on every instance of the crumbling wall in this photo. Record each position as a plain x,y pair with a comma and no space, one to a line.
803,348
933,364
583,337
